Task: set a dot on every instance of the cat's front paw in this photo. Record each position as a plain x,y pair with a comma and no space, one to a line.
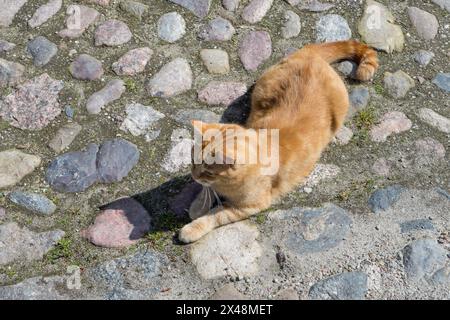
191,233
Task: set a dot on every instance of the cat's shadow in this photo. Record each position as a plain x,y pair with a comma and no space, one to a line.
168,203
238,111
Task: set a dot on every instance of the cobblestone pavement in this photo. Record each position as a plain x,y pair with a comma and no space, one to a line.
96,97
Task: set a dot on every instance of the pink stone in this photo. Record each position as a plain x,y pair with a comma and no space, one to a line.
34,104
133,62
112,33
111,92
121,224
79,18
391,122
255,48
256,10
2,213
217,92
428,151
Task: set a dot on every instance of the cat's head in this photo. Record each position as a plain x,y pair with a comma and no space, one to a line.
221,154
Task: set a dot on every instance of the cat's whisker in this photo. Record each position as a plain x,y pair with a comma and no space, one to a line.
209,197
219,202
204,196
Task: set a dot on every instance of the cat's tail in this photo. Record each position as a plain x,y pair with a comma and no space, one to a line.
365,56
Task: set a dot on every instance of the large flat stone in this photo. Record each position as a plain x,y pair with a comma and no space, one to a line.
21,244
344,286
423,258
136,276
38,288
305,231
229,250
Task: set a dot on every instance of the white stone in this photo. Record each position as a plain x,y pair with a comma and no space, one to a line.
377,28
425,23
171,27
291,25
174,78
65,136
8,10
444,4
434,119
391,122
332,27
179,155
230,250
343,136
140,118
215,60
321,172
79,18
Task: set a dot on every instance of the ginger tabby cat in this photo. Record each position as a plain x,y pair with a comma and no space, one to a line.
306,100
